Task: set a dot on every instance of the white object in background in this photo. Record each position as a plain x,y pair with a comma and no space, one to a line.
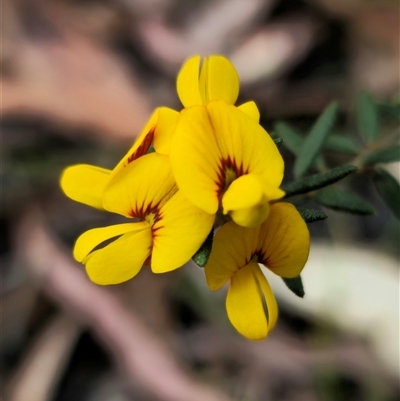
354,287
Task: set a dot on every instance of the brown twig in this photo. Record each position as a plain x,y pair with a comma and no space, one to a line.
38,375
144,359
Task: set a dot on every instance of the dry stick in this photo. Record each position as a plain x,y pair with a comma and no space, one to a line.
143,357
40,371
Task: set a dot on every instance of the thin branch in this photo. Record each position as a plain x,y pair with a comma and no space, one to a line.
144,358
41,369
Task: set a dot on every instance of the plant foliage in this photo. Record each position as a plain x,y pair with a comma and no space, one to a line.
317,181
295,285
202,255
389,189
311,215
343,201
315,140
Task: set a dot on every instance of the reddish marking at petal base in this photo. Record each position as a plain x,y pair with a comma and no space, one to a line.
141,213
224,166
154,231
259,256
143,147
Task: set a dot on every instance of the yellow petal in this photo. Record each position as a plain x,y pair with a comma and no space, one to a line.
252,216
222,80
141,186
84,183
246,191
268,295
284,241
141,145
167,119
271,192
203,82
245,202
233,248
121,260
178,234
251,109
195,158
241,139
244,304
187,83
91,238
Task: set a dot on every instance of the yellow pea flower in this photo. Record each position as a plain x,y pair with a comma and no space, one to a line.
167,232
85,183
223,160
281,244
215,79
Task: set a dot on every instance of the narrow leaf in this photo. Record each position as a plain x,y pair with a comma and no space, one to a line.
383,156
311,215
342,143
315,140
295,285
278,142
317,181
202,255
389,189
291,138
343,201
389,110
367,117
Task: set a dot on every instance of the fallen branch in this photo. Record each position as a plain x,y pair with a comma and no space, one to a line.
38,375
144,359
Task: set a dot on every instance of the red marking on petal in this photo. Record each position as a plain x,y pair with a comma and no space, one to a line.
259,254
225,166
143,147
154,209
141,212
151,214
154,231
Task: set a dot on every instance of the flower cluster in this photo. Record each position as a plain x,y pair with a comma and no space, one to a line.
213,168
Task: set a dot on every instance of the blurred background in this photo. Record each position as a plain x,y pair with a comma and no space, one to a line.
79,80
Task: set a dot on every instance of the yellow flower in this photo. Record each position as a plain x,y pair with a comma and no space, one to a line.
167,232
281,244
215,79
222,159
85,183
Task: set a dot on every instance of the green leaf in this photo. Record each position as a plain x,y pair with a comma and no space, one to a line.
341,143
383,156
317,181
311,215
343,201
389,110
202,255
295,285
291,138
278,142
389,189
367,117
315,140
